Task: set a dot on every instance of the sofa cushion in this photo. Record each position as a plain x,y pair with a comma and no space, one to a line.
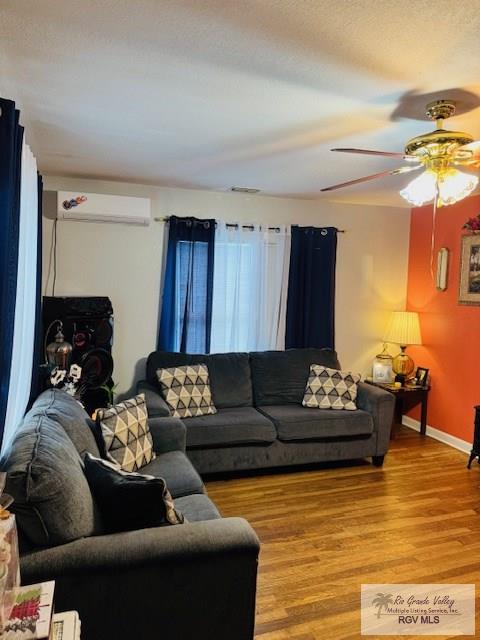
331,389
187,390
177,471
45,475
294,422
69,413
127,500
197,507
229,374
244,425
127,436
279,377
156,405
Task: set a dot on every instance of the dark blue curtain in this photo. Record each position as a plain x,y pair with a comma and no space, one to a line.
186,314
38,345
311,288
11,138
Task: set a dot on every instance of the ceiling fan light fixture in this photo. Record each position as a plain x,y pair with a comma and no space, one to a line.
453,185
420,190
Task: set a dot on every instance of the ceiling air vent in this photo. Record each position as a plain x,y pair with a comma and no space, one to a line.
244,190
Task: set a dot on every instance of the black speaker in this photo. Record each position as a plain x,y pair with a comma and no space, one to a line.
88,326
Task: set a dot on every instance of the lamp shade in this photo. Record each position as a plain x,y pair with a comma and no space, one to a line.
404,328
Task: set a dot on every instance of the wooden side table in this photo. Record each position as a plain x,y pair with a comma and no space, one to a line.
406,398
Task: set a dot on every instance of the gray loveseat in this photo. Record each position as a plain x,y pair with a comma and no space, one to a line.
191,581
261,422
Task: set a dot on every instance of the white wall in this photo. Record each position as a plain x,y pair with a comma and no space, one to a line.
124,263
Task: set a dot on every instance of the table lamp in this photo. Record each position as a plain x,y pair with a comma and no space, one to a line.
403,329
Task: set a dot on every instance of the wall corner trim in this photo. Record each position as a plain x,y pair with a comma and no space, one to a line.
441,436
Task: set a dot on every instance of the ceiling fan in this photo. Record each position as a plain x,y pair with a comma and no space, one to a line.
438,153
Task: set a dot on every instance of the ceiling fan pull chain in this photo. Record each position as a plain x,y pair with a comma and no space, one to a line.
434,220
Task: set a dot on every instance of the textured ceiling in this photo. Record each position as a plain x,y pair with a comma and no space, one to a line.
212,93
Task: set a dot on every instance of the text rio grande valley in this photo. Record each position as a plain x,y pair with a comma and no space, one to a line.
414,610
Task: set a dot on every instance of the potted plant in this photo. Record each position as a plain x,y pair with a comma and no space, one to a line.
110,391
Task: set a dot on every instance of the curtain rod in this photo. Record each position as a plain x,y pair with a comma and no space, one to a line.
235,226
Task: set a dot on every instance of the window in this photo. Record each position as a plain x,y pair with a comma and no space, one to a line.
186,314
190,294
249,285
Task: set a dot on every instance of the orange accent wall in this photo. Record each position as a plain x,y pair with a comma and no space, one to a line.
450,331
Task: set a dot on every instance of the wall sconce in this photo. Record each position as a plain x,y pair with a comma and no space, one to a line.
442,269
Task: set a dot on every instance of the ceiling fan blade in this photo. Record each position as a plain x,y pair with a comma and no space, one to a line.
374,176
468,154
368,152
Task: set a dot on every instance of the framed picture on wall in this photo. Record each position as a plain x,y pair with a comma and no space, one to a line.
470,270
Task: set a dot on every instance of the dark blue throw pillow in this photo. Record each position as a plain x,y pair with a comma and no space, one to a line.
129,500
96,429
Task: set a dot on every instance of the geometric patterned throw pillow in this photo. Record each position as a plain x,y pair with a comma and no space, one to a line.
127,436
186,390
330,389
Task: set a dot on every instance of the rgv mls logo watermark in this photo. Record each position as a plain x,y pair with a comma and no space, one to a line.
418,609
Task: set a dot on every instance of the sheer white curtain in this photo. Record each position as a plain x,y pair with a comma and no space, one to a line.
24,327
249,287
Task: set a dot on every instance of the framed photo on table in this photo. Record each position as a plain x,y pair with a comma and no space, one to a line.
470,270
422,376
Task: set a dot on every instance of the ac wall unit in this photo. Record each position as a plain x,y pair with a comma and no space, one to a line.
98,207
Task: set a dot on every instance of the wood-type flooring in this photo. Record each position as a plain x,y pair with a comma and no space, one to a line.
325,531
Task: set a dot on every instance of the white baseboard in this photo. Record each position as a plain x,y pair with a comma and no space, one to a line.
446,438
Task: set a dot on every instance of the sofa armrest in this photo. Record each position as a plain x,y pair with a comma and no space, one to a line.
156,405
168,434
380,404
195,582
